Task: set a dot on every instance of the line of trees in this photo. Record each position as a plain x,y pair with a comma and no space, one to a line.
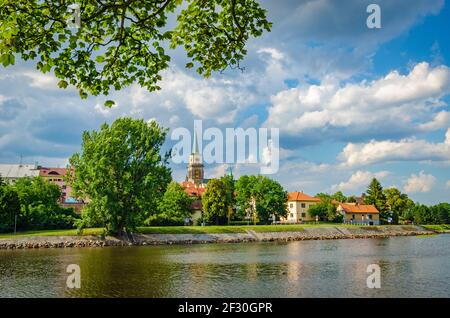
256,198
32,204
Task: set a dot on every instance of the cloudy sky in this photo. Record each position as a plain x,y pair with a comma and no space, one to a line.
351,103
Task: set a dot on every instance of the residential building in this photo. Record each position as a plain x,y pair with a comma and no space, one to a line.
10,173
361,214
195,191
298,206
57,176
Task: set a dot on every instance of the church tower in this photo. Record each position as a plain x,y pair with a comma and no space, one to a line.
195,167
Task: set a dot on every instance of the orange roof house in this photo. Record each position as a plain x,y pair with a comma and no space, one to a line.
300,196
355,213
298,206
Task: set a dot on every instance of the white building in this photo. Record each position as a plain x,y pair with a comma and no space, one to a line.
11,172
298,206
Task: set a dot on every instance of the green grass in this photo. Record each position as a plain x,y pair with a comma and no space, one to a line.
438,227
203,229
213,229
72,232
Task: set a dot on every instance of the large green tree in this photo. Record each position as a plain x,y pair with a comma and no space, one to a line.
120,42
215,202
173,208
122,173
270,199
261,197
376,197
244,188
39,205
397,202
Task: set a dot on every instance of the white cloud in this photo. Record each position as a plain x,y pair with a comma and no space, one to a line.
440,120
43,81
389,103
359,180
419,183
403,150
274,53
213,99
448,184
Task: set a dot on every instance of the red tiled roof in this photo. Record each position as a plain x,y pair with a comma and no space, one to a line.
358,208
46,172
300,196
194,190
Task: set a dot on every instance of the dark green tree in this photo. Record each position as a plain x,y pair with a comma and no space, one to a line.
397,202
441,213
39,206
120,42
376,197
215,202
9,207
245,196
122,173
173,208
270,199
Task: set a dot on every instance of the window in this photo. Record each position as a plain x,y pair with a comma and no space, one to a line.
353,216
291,205
303,205
303,215
291,215
370,216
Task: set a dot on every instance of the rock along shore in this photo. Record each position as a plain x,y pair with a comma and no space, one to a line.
320,233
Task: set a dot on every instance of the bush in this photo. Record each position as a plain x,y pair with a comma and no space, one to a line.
164,220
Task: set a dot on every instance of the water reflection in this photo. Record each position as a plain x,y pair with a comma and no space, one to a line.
411,267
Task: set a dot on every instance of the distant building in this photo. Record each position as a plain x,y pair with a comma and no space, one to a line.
361,214
57,176
298,206
10,173
195,168
195,183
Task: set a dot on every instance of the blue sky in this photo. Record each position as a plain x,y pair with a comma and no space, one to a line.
351,103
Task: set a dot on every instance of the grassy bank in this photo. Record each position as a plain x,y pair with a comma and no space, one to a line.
208,229
176,230
438,228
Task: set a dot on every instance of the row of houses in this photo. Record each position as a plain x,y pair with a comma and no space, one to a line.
353,213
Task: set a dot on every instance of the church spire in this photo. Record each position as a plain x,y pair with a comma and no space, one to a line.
195,144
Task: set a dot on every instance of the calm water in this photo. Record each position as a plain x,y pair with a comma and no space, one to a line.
411,267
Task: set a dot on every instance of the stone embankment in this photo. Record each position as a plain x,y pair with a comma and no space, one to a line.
319,233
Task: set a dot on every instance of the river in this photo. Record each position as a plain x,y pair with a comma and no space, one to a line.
410,267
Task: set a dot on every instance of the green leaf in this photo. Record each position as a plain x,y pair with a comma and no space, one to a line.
63,84
109,103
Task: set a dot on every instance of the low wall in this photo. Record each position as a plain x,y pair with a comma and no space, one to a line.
319,233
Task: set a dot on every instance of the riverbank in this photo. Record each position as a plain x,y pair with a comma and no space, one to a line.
242,234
